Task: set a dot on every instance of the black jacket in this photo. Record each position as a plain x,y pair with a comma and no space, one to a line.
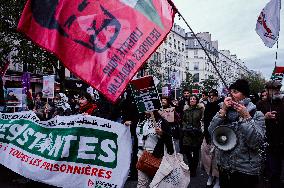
210,111
179,108
274,127
164,140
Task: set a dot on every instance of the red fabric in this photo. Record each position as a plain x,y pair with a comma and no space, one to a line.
89,108
278,70
102,42
143,83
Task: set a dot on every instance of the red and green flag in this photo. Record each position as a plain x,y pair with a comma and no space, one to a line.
195,89
102,42
278,73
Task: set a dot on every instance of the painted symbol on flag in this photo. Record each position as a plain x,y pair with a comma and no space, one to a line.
261,20
44,14
102,32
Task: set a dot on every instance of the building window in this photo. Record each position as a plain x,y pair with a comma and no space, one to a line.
195,43
196,52
196,66
195,77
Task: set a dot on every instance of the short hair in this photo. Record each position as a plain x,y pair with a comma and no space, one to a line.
273,84
214,92
185,90
167,98
86,95
204,93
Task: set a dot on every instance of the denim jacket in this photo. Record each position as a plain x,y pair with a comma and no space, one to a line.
247,156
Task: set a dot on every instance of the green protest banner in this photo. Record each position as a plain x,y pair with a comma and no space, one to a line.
67,151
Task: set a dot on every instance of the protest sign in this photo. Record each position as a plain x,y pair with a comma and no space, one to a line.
14,97
168,114
48,86
68,151
165,91
145,94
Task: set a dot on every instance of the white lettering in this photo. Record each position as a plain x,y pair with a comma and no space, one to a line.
56,147
85,147
3,128
16,130
38,136
107,146
27,132
66,147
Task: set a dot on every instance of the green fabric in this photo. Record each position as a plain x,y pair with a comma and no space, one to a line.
192,116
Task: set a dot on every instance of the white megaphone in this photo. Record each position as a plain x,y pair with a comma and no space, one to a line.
224,138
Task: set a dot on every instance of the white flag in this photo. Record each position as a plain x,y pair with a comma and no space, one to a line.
268,23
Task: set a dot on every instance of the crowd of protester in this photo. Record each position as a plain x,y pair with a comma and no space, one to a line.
189,125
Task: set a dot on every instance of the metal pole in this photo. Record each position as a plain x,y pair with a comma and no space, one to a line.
276,56
175,93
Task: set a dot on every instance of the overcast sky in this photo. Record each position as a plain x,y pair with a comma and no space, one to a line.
232,23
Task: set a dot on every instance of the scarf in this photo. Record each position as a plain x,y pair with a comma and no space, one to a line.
88,108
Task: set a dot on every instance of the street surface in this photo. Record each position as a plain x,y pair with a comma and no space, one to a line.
196,182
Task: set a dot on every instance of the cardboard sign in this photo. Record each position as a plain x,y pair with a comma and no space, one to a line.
168,114
14,97
145,94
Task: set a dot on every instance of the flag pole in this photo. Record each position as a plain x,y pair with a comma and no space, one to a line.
195,36
175,93
276,56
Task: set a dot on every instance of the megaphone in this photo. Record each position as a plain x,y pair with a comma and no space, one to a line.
224,138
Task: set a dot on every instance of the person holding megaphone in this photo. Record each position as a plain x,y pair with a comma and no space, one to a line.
238,132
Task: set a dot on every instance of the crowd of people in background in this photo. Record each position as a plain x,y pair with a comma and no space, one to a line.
189,125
